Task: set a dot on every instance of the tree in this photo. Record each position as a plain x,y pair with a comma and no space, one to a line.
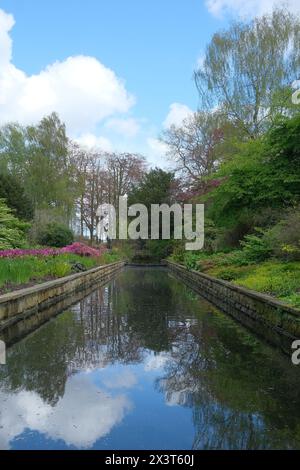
194,146
248,68
264,174
100,179
13,150
38,158
49,172
125,170
14,194
95,192
156,187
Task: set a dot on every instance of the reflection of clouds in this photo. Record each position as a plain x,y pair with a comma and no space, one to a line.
158,361
125,379
82,416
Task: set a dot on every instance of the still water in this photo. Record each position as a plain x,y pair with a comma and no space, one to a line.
145,363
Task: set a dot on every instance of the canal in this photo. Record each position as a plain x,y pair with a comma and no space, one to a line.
145,363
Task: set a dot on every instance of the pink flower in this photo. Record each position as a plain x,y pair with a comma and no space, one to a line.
76,248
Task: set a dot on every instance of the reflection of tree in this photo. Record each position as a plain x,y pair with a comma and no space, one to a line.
116,323
211,370
91,334
242,394
146,300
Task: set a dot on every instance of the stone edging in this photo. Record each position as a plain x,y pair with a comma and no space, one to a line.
14,305
275,321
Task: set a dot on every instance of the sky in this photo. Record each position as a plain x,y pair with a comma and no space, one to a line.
118,72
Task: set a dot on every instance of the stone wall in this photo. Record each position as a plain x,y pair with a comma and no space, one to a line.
269,318
21,304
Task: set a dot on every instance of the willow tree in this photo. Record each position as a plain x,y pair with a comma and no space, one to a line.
248,70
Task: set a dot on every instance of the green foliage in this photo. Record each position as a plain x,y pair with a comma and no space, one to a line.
60,269
155,188
273,277
281,280
159,249
37,156
55,235
284,237
248,69
16,199
191,260
12,230
14,271
264,174
256,248
111,256
178,251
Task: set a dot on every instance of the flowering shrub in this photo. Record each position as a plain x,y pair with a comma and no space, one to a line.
76,248
83,250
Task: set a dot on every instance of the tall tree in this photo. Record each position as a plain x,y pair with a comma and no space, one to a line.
49,175
194,146
247,70
125,170
13,150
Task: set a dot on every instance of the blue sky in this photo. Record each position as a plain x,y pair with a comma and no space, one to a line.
123,68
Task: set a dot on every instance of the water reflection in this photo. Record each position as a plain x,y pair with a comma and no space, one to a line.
145,363
82,415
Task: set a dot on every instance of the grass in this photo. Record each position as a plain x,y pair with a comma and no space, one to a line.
18,271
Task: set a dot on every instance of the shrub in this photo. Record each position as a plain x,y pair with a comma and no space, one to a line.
56,235
285,236
83,250
12,230
256,248
191,260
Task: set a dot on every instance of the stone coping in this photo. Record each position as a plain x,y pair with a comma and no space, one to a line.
242,290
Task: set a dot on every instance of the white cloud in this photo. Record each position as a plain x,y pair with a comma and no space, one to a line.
126,379
91,141
82,416
158,148
6,24
81,89
125,127
249,8
157,151
177,113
